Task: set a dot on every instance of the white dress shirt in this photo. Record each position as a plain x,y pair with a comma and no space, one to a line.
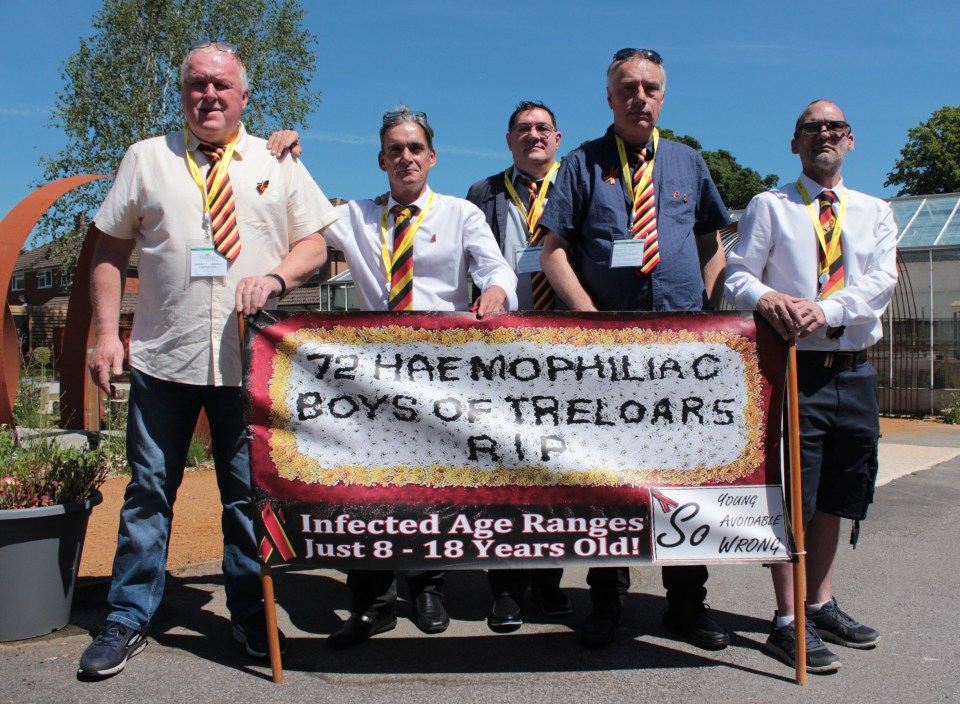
778,251
453,241
516,236
185,327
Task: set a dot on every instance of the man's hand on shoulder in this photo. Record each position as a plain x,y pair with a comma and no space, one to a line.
490,301
790,316
283,141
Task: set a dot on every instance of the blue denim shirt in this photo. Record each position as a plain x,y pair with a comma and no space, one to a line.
590,207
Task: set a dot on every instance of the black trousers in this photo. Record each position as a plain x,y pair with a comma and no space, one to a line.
515,582
375,591
684,584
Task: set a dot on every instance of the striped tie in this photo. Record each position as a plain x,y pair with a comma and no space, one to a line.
831,259
401,264
223,212
644,225
542,293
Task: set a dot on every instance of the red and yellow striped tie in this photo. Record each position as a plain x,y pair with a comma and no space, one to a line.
542,293
223,211
401,263
644,225
831,261
831,258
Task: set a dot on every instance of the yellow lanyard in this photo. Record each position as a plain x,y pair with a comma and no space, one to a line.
532,219
384,252
220,168
814,212
625,166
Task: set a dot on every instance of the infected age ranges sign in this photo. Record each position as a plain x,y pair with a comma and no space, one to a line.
426,441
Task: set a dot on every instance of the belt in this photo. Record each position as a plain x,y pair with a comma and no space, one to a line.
833,360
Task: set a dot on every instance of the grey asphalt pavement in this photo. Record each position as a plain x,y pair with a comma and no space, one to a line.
901,578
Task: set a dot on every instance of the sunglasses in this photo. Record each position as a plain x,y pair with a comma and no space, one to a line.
392,115
648,54
836,128
225,47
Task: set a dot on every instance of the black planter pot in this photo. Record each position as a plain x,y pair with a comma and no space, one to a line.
40,552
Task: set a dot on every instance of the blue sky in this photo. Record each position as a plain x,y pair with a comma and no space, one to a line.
739,73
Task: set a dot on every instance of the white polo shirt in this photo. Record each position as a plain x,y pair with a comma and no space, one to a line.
185,327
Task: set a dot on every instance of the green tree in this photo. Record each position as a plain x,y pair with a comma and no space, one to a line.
123,85
737,184
930,161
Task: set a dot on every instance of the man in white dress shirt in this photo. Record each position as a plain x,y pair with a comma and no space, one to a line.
819,262
415,251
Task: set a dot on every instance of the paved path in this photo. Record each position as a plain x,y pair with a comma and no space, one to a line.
901,578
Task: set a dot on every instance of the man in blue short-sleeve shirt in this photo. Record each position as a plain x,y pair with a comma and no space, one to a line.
633,223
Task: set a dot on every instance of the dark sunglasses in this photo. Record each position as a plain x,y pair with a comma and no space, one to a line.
648,54
836,128
225,47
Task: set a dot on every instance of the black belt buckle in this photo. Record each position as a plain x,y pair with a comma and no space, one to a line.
842,360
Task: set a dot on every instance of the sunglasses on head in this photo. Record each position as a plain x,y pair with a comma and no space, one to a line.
391,115
225,47
648,54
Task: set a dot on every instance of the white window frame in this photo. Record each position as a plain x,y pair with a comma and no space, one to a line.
45,278
18,282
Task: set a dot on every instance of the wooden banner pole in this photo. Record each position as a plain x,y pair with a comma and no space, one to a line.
270,611
796,513
266,578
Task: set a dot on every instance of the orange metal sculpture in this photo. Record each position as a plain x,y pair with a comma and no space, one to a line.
14,230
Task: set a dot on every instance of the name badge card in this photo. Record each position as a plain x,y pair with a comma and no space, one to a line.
626,253
528,259
207,261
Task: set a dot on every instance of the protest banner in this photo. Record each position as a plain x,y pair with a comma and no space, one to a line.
439,441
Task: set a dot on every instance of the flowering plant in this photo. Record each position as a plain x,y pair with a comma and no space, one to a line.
40,472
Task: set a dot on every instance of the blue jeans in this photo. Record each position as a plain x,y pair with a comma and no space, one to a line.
160,424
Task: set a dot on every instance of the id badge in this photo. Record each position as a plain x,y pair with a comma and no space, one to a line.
528,259
626,253
207,261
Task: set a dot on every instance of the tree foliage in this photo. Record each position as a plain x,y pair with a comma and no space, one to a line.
930,161
123,85
737,184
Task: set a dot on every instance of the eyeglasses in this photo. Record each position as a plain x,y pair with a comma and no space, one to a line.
648,54
225,47
525,128
394,115
835,128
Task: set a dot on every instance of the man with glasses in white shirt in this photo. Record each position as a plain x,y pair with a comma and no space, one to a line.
818,261
512,202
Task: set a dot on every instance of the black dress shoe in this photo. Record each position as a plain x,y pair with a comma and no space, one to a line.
694,623
600,628
431,617
551,601
359,627
505,616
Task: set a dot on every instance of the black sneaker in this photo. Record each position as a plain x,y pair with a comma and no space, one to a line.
109,651
782,644
252,635
836,625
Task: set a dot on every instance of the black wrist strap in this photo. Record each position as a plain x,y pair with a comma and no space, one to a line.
279,280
